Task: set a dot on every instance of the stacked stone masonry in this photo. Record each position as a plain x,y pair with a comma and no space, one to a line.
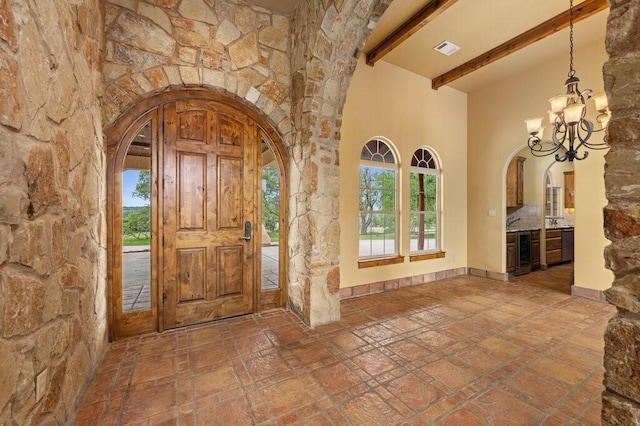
52,227
231,47
621,398
327,38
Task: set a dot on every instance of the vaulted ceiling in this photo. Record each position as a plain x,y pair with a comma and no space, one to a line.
476,26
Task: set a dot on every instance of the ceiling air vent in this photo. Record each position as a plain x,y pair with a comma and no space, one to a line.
446,48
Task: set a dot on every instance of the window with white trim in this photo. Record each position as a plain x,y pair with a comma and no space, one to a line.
424,204
378,218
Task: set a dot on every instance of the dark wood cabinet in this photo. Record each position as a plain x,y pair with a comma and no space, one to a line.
535,249
511,252
554,246
515,182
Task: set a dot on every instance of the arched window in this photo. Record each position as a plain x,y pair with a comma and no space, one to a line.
424,203
378,236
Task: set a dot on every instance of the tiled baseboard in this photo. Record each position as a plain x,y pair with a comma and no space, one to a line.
382,286
498,276
589,293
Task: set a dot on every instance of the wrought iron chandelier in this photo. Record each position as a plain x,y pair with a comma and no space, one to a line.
570,130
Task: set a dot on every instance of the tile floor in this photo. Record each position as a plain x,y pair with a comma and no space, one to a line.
464,351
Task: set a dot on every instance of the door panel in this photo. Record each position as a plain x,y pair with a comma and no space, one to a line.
230,271
191,275
192,189
230,190
209,188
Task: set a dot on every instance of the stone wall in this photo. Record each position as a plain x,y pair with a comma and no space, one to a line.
328,37
621,399
52,227
249,52
223,45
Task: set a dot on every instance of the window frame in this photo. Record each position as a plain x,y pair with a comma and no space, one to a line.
435,252
382,164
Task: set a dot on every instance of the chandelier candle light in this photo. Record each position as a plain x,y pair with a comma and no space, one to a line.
570,129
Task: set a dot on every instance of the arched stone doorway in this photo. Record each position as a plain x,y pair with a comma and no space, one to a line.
197,158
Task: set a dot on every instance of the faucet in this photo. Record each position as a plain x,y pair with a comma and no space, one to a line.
553,222
512,221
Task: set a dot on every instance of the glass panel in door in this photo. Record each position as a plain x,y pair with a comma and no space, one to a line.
136,223
270,279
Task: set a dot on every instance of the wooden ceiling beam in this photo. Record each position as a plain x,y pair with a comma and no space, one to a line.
553,25
421,18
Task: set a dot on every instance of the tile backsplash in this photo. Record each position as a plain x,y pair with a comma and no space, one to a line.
529,216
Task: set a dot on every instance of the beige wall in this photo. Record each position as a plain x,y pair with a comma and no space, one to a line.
497,132
401,106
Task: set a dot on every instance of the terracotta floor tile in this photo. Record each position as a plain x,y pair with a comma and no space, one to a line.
154,369
370,409
336,378
251,346
434,340
413,391
284,397
409,350
497,344
537,387
403,324
233,412
207,355
479,360
461,417
451,375
376,333
558,372
220,379
147,399
265,366
310,352
504,406
374,362
347,341
287,335
461,351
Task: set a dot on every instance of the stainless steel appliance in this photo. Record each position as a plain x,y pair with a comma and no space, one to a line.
567,245
523,252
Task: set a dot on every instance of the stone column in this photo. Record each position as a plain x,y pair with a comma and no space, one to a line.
621,398
328,37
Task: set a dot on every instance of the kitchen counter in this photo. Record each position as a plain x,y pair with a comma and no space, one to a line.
538,229
522,229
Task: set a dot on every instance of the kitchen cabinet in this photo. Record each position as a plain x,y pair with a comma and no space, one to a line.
515,182
535,249
511,252
569,190
554,246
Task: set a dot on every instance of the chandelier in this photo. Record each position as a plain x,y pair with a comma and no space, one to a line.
570,130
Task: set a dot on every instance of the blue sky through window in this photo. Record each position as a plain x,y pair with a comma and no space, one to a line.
129,181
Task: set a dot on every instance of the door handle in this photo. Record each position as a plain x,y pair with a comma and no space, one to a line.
247,231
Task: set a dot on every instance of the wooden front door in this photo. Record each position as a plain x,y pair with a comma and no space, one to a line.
209,168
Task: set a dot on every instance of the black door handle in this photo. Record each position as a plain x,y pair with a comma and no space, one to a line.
247,231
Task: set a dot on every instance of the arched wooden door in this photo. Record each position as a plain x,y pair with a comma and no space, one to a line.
203,155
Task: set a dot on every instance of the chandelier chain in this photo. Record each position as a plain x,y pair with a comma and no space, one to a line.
572,72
